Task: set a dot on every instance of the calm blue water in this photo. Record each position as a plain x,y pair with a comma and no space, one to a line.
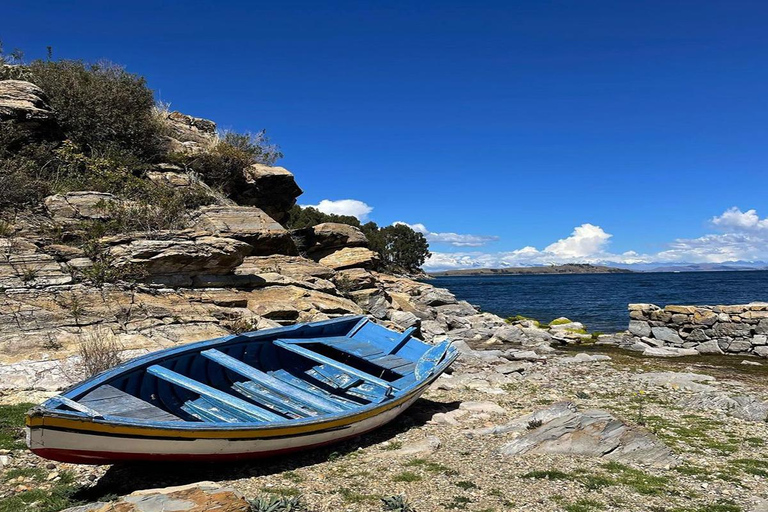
600,300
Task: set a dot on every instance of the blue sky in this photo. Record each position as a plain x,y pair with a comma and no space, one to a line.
536,132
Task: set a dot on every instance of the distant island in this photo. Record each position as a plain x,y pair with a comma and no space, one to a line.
570,268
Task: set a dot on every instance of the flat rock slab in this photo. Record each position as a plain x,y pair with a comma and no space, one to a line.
592,433
745,407
677,380
199,497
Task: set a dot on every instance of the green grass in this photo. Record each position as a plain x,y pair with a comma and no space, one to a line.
38,500
351,496
584,505
466,485
641,482
752,466
432,467
37,474
407,476
458,503
393,445
755,441
549,474
12,426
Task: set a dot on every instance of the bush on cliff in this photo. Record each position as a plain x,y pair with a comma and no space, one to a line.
101,107
224,165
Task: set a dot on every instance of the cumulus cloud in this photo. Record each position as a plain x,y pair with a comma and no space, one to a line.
352,207
454,239
743,237
733,219
585,241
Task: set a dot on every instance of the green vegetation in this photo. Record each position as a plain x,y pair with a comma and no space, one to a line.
560,321
351,496
458,503
466,485
401,248
407,476
60,496
396,504
12,426
584,505
752,466
549,474
641,482
277,504
432,467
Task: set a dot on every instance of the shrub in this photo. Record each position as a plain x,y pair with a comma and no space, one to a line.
99,351
275,504
101,107
224,165
396,504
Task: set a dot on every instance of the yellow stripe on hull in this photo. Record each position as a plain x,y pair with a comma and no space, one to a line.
90,426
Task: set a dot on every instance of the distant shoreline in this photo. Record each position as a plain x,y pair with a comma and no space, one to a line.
554,269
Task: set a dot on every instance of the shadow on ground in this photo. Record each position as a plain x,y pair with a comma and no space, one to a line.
123,479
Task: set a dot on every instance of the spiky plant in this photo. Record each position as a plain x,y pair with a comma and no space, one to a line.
396,503
275,504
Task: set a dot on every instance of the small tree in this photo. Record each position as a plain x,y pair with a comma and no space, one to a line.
404,249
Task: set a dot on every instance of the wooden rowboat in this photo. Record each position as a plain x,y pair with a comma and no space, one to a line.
250,395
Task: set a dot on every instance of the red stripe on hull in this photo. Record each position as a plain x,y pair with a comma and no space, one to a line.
96,457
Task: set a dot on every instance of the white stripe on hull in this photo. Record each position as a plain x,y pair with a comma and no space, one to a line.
40,438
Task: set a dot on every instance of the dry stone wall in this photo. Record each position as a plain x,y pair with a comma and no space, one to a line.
734,329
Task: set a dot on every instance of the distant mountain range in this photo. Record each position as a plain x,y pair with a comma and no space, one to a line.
586,268
571,268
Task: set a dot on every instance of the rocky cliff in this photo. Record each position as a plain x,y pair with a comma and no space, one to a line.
229,266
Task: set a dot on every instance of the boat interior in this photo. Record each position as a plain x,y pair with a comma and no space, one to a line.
308,371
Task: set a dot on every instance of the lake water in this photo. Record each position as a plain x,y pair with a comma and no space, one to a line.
600,300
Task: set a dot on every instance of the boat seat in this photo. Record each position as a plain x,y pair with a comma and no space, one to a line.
395,363
219,398
323,360
333,377
342,344
208,411
278,403
307,399
108,400
292,380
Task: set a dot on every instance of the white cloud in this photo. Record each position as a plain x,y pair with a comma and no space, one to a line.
744,238
352,207
586,240
733,219
454,239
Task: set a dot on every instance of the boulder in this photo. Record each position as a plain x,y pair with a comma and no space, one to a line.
187,134
27,105
704,317
295,267
437,297
592,433
197,497
667,335
292,303
509,334
323,239
709,347
181,256
373,301
273,189
353,279
77,206
350,257
404,319
639,328
732,329
248,224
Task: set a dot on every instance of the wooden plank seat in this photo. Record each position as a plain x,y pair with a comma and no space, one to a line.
271,400
222,400
288,378
108,400
323,360
208,411
290,391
